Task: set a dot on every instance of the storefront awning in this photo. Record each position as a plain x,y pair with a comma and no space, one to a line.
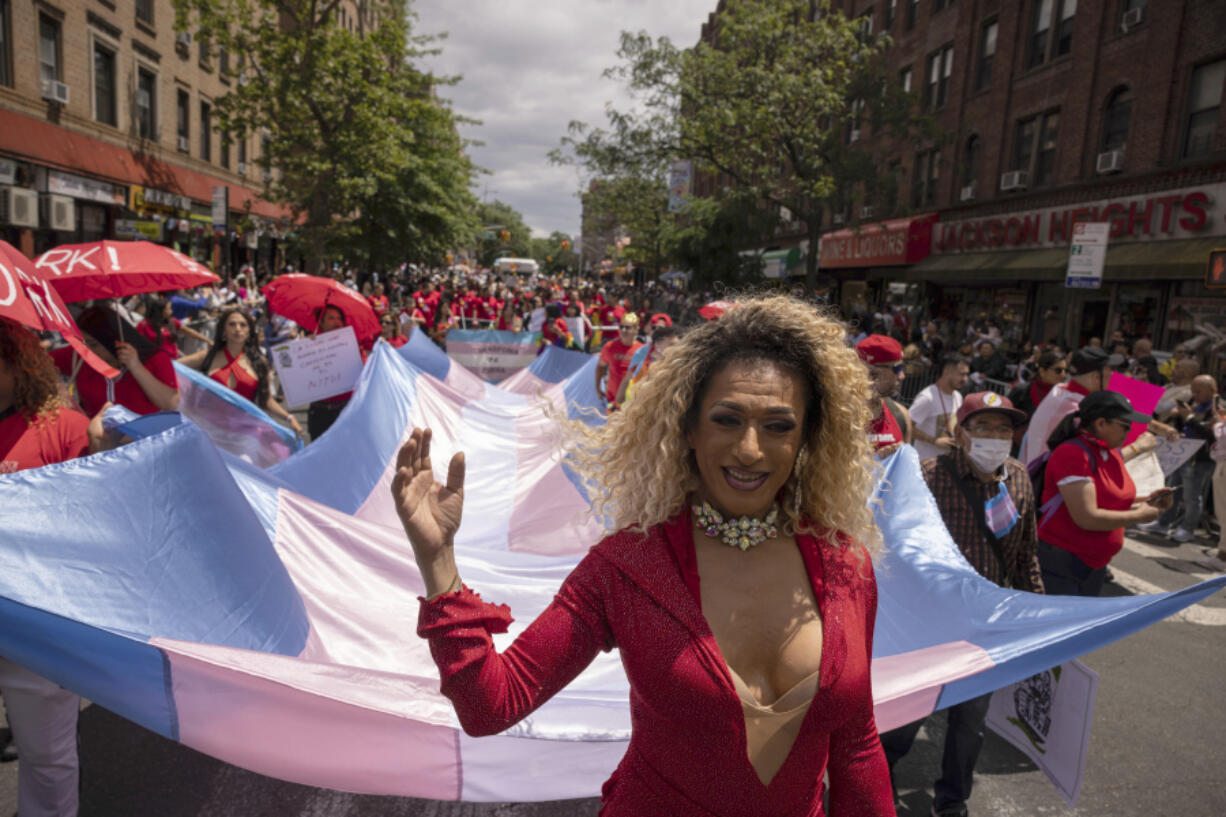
1134,261
778,263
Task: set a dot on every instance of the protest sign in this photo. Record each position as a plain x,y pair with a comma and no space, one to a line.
1146,472
491,354
1143,396
1047,717
314,368
1173,455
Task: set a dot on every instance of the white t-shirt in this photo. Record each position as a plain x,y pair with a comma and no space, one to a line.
1059,403
931,413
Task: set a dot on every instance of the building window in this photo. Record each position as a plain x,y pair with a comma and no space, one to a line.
206,131
1043,44
912,14
6,75
242,156
987,52
48,49
225,152
144,11
185,121
223,60
904,77
970,161
866,26
937,5
940,67
1034,149
146,104
855,121
1204,101
924,178
1116,118
891,7
104,85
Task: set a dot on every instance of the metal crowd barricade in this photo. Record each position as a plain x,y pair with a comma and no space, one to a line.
998,386
913,384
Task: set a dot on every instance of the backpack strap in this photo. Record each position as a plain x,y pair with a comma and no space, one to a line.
978,508
1049,508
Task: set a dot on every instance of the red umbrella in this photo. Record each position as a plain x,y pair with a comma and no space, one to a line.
28,300
301,298
716,308
111,269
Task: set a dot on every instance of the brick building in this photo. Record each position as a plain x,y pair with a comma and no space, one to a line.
1054,111
106,132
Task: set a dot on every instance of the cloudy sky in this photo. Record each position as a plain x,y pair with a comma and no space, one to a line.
529,68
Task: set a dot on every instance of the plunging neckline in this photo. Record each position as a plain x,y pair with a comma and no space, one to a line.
707,635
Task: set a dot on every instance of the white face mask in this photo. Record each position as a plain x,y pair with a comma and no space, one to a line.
988,455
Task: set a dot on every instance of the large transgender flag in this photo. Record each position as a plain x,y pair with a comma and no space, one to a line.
257,614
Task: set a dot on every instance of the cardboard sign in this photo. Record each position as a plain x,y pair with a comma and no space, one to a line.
1174,455
314,368
1047,717
1146,472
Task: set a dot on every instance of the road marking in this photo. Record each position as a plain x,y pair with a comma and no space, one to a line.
1195,614
1151,552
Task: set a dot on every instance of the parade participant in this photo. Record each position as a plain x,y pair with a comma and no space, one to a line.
378,301
1143,357
987,503
234,360
391,332
1088,496
1050,369
661,340
1216,557
411,315
444,319
146,383
508,320
321,414
36,429
987,365
1180,352
580,326
935,409
1090,372
1194,420
1180,386
555,332
890,425
615,358
163,328
738,581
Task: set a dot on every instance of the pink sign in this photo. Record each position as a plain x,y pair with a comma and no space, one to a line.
1143,396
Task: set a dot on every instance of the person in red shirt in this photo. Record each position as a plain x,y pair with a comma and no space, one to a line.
36,429
891,424
1088,496
163,328
391,331
615,358
378,301
147,381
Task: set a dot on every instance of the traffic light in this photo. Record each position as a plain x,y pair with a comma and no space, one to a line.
505,235
565,245
1215,273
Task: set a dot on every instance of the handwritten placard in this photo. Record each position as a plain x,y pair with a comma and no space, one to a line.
314,368
1173,455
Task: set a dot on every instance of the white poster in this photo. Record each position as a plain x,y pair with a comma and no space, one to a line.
314,368
1174,455
1047,717
1087,254
1147,474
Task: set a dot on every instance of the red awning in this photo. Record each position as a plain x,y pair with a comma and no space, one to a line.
44,143
882,244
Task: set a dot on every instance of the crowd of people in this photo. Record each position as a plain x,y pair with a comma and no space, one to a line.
1026,454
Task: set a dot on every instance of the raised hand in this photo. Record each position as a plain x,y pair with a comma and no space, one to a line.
430,512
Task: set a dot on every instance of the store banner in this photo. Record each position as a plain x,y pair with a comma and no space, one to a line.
318,367
680,181
883,244
136,230
79,187
1087,255
1047,717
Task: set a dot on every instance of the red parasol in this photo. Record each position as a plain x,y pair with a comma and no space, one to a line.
301,298
30,301
716,308
111,269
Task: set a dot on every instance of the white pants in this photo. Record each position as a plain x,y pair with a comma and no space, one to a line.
43,717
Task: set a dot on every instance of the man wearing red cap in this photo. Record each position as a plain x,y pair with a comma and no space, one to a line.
891,424
987,503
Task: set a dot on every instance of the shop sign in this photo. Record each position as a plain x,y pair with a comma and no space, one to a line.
8,171
1184,314
1173,214
79,187
888,243
145,198
130,228
221,206
1087,255
680,179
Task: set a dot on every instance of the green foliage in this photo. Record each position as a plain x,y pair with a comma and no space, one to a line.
363,152
555,254
502,232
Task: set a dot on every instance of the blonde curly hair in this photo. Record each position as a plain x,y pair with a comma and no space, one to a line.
639,469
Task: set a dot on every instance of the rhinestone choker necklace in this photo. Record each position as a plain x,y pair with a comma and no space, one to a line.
742,532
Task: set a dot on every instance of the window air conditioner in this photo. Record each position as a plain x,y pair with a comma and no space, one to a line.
1111,161
20,206
1014,180
866,211
185,144
183,39
55,91
1133,18
242,168
839,219
62,213
968,193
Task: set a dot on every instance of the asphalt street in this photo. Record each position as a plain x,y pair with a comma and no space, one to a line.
1154,749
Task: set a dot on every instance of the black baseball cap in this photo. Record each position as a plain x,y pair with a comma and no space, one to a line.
1089,359
1109,405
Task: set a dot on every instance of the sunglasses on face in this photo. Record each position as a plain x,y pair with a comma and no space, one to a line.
625,328
883,367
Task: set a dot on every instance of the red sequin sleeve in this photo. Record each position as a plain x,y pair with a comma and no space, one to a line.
492,691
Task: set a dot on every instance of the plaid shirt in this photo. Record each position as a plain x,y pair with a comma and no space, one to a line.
966,525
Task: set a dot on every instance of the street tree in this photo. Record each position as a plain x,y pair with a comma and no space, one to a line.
503,233
352,136
776,104
555,253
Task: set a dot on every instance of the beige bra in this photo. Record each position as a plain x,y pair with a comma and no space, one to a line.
771,730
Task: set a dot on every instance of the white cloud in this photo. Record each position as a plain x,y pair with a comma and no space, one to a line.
529,68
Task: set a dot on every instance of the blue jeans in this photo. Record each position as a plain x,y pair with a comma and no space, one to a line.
1194,477
963,742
